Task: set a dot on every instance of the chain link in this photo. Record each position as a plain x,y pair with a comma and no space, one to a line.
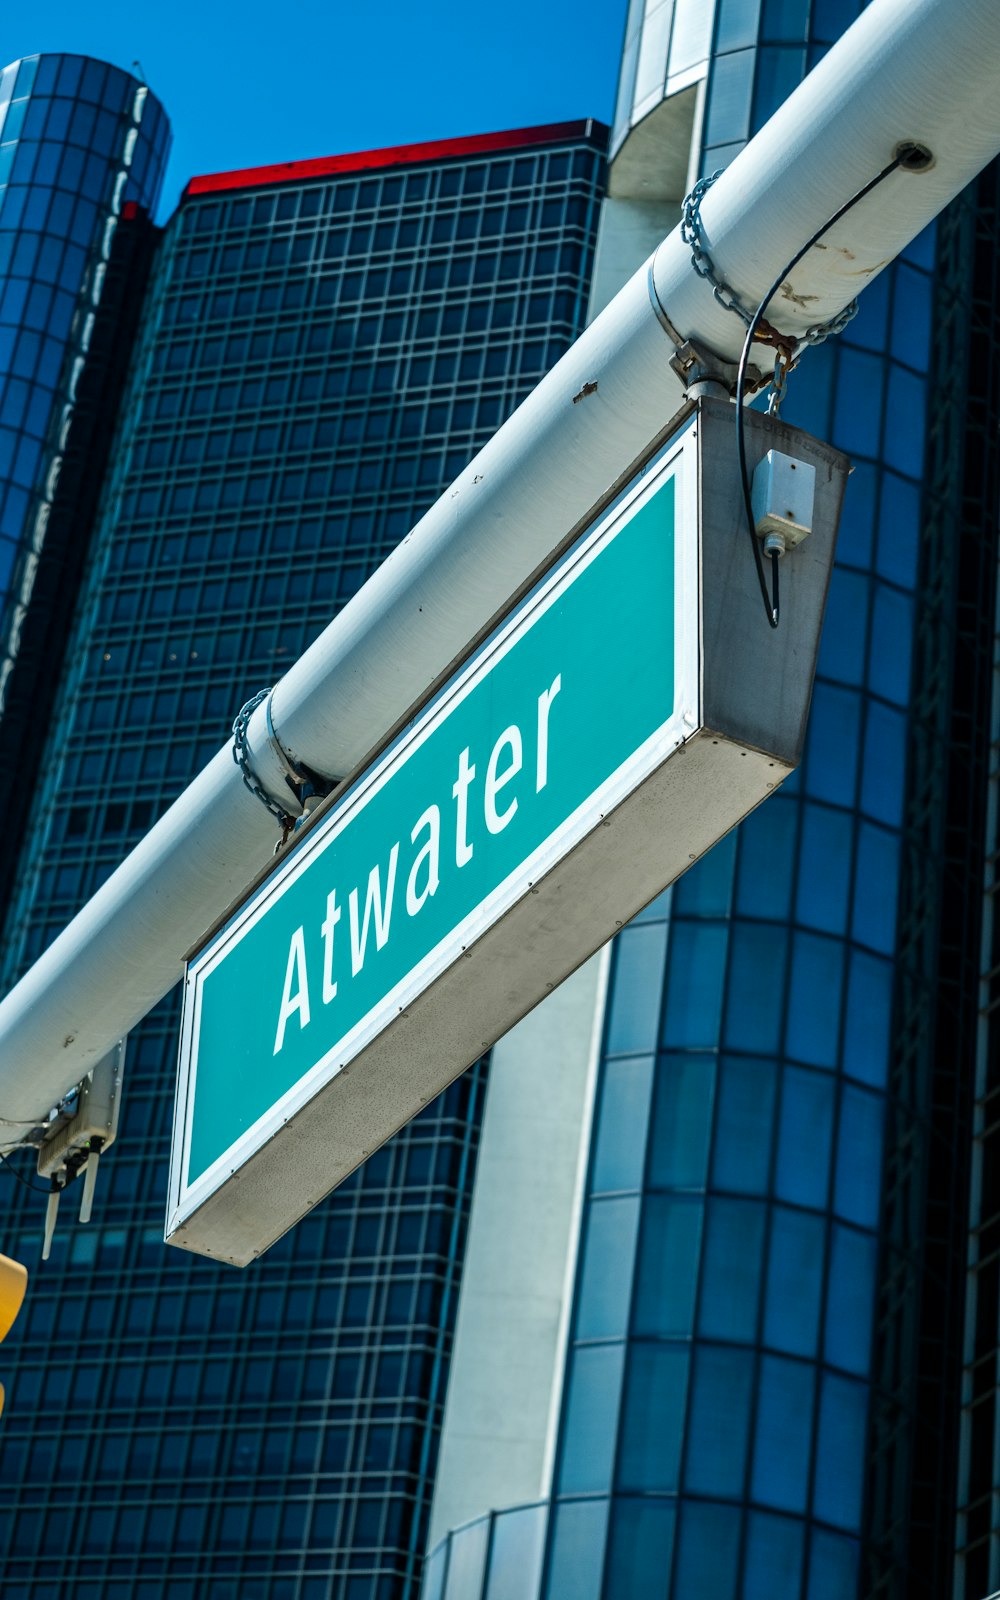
779,383
702,262
826,330
705,268
242,758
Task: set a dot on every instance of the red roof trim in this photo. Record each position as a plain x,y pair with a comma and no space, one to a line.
402,155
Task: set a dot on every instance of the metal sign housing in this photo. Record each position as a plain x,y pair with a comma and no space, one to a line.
625,715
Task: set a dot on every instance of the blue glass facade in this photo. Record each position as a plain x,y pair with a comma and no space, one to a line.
82,147
729,1382
78,141
763,1387
762,1381
318,358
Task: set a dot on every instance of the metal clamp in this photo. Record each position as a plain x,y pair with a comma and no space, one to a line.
696,367
77,1143
306,786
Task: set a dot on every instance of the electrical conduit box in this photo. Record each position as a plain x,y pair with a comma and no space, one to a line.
783,498
626,713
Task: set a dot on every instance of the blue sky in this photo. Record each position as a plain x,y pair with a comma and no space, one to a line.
254,83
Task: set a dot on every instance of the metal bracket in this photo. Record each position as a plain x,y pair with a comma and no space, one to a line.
701,371
76,1144
699,368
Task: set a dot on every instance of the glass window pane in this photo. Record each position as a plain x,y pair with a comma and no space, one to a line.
845,628
653,1416
857,422
694,988
868,327
899,530
577,1561
652,69
824,869
767,858
640,1550
432,1587
744,1125
708,1552
804,1138
833,1566
691,39
636,986
620,1147
810,402
731,1273
719,1426
859,1157
516,1552
785,20
591,1418
831,18
832,745
866,1030
884,767
840,1454
891,647
906,415
922,250
682,1121
779,71
729,104
794,1282
606,1279
850,1305
668,1265
814,1000
774,1558
876,888
756,988
783,1429
467,1560
738,23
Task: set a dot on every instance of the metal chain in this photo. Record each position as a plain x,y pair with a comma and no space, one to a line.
779,383
242,759
702,262
705,268
826,330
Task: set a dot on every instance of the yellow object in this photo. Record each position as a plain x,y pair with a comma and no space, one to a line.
13,1282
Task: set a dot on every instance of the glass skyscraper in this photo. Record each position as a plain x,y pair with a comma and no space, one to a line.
696,1298
321,349
82,150
759,1391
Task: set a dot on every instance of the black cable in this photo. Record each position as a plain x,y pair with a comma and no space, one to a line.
38,1187
771,601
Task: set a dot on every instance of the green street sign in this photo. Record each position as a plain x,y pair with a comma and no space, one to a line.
427,909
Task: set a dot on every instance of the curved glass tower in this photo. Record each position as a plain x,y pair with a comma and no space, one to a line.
82,149
759,1397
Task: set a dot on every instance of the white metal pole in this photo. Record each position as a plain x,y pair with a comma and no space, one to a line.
908,70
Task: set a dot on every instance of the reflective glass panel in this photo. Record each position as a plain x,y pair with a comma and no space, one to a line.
719,1426
653,1416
